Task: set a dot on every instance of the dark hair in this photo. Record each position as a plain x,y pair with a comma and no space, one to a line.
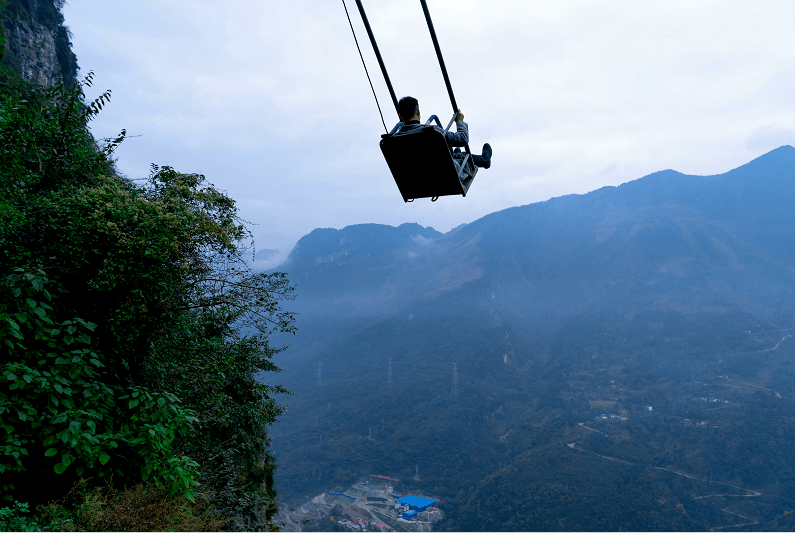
407,106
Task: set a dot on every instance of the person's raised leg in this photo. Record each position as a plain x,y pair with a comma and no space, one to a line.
483,161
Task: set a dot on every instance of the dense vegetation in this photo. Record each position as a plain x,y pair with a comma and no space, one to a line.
657,294
131,330
497,458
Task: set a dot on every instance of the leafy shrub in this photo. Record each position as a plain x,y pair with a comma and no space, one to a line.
54,405
156,380
11,518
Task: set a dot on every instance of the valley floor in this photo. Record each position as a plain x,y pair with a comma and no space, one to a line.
369,505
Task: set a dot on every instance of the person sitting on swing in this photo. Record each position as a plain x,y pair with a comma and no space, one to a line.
409,111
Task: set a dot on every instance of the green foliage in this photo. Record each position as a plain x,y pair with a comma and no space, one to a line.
215,371
142,507
11,518
3,30
55,408
50,396
157,380
44,138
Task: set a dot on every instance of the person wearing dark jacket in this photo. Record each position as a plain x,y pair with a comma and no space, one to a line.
409,111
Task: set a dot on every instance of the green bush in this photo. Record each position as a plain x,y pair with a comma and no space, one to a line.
11,518
132,328
55,408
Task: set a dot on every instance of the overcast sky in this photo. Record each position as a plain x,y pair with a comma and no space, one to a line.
270,101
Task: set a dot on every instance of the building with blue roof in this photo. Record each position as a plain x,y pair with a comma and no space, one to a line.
409,515
416,503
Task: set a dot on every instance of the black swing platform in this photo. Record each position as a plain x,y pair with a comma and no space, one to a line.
420,159
422,165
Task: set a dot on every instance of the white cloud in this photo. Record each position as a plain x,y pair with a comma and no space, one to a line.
422,241
270,101
770,137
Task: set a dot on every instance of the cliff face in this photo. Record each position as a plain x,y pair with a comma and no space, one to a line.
37,42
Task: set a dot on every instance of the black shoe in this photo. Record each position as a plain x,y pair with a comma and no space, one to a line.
487,155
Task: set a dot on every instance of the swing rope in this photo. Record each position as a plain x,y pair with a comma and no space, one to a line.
439,54
365,66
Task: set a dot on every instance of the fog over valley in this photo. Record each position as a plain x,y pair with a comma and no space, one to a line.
619,359
244,286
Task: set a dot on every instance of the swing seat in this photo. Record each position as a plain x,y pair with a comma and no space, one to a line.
422,164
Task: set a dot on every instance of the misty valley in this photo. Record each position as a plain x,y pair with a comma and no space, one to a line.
187,347
616,360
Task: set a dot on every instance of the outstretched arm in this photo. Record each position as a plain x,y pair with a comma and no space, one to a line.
461,136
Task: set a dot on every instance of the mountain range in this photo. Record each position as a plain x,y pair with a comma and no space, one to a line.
553,366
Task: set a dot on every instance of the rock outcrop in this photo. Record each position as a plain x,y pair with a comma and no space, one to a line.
37,42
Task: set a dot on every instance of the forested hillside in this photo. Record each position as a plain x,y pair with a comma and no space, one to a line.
132,331
615,360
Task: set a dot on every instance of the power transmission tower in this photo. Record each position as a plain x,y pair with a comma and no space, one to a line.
389,374
319,374
455,380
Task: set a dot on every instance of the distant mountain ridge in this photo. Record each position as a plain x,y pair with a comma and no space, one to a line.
553,312
692,221
358,260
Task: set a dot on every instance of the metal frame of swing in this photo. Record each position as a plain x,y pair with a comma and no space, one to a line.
420,159
418,166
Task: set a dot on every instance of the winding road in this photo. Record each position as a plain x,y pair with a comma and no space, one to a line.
749,493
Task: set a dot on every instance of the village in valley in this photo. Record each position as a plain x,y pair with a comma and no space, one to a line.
369,505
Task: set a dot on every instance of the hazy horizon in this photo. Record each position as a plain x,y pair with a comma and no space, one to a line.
270,101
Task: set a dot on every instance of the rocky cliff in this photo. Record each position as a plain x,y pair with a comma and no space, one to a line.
37,45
